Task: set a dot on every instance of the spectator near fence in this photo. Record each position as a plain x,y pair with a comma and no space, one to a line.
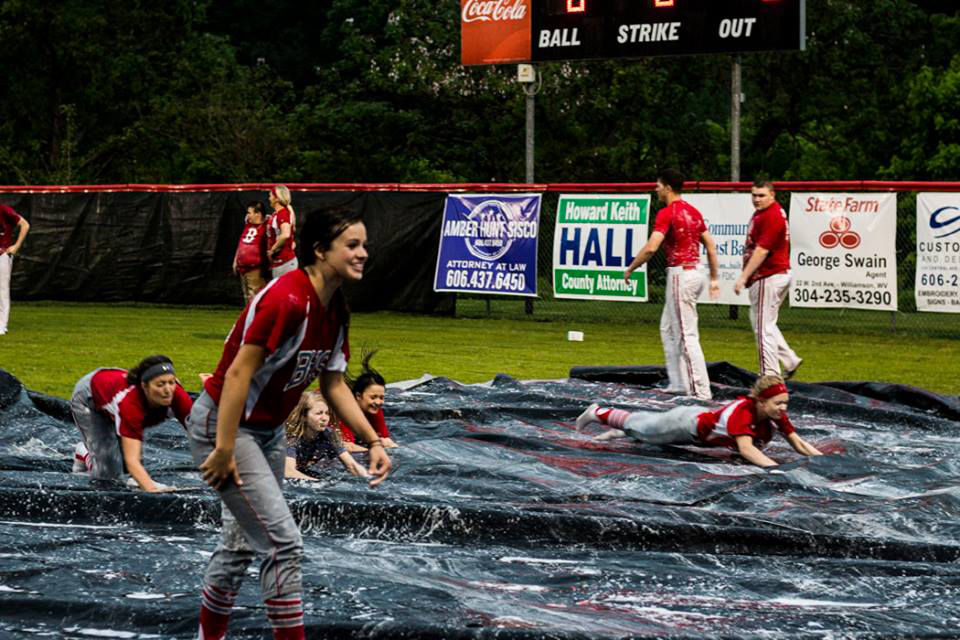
9,220
249,261
281,233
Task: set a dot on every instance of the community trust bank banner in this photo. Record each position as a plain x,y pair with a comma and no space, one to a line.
843,250
488,244
595,241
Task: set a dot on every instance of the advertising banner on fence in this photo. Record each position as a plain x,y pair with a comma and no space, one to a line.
595,240
937,286
727,216
843,250
488,244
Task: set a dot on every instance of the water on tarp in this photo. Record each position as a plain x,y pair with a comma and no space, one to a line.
501,521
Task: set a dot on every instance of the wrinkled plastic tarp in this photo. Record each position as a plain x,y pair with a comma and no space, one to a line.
501,521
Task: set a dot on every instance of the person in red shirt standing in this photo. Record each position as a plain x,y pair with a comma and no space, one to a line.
766,271
9,220
113,407
745,425
281,233
249,260
680,228
293,331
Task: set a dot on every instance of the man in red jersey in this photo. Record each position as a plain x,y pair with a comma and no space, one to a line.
680,228
249,260
9,220
766,271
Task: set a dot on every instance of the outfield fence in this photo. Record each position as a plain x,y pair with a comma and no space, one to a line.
410,213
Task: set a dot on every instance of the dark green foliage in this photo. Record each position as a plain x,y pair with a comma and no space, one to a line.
101,91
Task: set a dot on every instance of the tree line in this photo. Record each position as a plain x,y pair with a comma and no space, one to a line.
208,91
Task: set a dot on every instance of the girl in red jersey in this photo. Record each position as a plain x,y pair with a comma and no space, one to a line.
370,391
249,259
292,331
281,233
113,407
311,440
746,425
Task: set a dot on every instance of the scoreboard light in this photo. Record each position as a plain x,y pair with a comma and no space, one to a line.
500,31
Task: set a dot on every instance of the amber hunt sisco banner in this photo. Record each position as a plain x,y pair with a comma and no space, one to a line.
595,240
843,250
727,216
937,285
488,244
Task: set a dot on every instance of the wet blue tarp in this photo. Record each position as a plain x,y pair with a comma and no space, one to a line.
501,521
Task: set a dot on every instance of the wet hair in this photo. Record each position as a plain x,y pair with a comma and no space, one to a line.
763,183
135,374
672,178
257,207
296,422
368,376
763,383
320,229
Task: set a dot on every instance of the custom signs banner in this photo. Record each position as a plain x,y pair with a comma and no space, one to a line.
727,216
843,250
595,240
937,285
488,244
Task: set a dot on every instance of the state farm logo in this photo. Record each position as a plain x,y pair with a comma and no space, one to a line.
840,234
493,10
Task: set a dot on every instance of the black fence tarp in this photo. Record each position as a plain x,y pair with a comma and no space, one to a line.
502,522
178,247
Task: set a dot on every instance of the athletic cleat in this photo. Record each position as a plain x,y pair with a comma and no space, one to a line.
80,459
589,416
789,374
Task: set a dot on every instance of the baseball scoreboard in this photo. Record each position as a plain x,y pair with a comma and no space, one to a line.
513,31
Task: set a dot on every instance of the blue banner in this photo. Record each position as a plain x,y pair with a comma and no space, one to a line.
488,244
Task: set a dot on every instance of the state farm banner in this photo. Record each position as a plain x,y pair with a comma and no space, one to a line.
843,250
937,285
494,31
488,244
727,216
595,240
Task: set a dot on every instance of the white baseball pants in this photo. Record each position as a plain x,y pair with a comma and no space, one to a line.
6,266
680,334
766,296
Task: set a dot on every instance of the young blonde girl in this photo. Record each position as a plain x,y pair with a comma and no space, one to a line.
745,425
311,440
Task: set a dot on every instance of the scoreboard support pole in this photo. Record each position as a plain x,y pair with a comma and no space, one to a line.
736,99
530,89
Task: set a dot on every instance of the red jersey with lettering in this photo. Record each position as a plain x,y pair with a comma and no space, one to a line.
252,248
9,219
286,253
768,229
720,428
681,225
126,405
301,338
377,421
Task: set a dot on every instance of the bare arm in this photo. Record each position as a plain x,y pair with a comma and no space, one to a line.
711,248
759,255
282,238
132,450
750,452
23,227
344,405
647,252
290,471
802,446
220,466
351,465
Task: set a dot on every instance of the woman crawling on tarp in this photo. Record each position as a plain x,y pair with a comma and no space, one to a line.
114,407
746,425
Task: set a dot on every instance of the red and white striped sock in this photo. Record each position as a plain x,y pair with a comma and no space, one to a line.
215,613
616,418
286,617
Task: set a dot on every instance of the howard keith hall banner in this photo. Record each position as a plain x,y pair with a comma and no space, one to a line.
488,244
596,238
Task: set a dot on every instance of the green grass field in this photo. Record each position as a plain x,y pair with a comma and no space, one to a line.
51,344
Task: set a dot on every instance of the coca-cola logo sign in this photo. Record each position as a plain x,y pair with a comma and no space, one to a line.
493,10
